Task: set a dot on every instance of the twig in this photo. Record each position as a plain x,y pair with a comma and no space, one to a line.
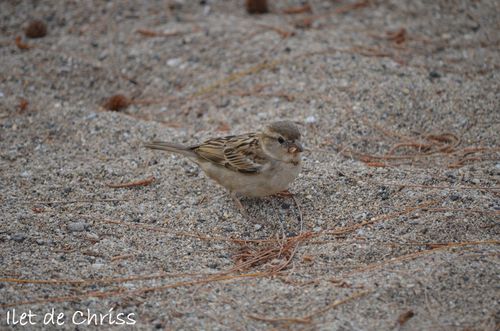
283,33
479,188
143,182
300,213
93,281
348,229
121,257
305,8
465,210
21,45
415,255
280,319
151,33
306,22
120,293
251,257
404,317
183,233
74,201
308,318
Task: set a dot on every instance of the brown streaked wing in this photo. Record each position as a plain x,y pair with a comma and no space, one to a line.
212,150
239,153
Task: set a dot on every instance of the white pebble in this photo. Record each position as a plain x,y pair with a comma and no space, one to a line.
311,119
174,62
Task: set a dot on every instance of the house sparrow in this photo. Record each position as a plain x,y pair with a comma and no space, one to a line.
254,164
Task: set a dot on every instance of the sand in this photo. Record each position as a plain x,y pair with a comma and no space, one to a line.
395,223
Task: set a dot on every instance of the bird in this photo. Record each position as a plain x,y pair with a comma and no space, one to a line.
254,164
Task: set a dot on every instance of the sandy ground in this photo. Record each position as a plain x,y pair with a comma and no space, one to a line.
399,195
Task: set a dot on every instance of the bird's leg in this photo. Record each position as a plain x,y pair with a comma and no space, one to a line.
284,194
239,204
288,194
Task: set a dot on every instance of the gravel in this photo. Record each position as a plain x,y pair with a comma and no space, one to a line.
398,103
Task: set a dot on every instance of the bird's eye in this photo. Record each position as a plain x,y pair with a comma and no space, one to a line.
281,140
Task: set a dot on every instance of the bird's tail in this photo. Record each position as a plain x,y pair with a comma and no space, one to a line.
170,147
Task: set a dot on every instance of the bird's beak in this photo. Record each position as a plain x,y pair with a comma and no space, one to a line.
295,147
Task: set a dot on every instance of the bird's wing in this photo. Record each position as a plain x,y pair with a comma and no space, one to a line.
238,153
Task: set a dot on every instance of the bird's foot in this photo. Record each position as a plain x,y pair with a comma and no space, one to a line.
284,194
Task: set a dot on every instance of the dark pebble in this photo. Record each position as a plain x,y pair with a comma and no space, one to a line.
285,205
434,75
19,237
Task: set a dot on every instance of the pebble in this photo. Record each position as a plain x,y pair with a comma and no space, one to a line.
448,214
97,265
434,74
174,62
476,181
77,226
19,237
360,216
257,227
92,236
317,229
90,116
311,119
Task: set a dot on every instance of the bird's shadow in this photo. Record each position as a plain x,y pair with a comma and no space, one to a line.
272,215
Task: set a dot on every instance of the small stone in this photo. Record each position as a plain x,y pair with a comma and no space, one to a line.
116,102
256,6
285,205
206,10
92,236
311,119
40,242
360,216
448,214
36,29
90,116
476,181
223,102
174,62
257,227
317,229
454,197
77,226
434,74
19,237
97,265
